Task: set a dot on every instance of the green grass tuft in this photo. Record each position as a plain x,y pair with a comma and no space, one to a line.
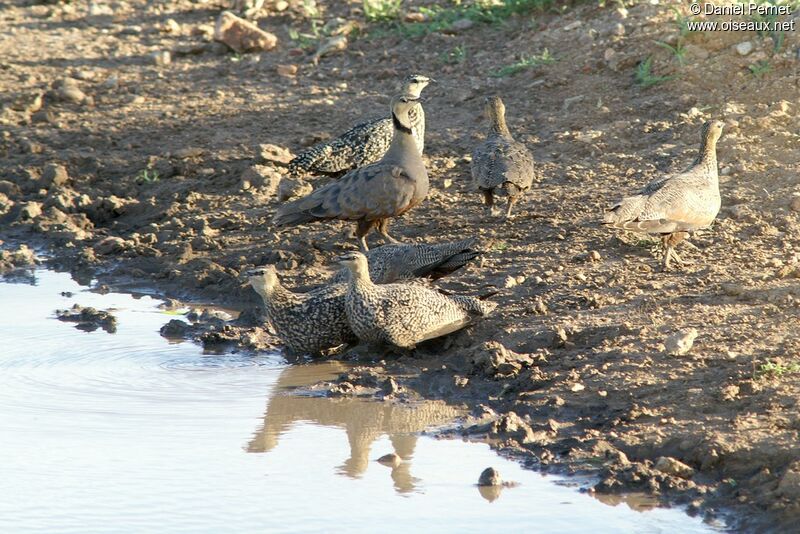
382,10
529,62
760,69
777,370
645,76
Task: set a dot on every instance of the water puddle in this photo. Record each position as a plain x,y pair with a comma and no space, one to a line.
127,432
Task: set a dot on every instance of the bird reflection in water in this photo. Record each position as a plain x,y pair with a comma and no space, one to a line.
364,421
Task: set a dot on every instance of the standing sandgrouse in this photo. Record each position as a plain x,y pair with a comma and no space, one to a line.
371,195
677,204
500,161
365,142
403,314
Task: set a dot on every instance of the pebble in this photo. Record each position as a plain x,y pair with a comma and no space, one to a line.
680,342
67,90
274,153
674,467
292,187
54,175
794,204
286,70
241,35
461,25
744,48
490,477
171,26
391,460
160,57
263,177
30,210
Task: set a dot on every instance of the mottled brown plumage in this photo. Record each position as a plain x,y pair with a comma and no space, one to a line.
403,314
500,161
371,195
307,323
675,205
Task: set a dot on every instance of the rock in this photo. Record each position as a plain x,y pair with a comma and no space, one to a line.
110,245
22,257
275,154
293,187
71,94
88,319
97,9
288,71
794,204
160,57
789,486
680,342
512,425
189,152
391,460
673,467
54,175
176,329
490,477
241,35
30,211
265,179
461,25
171,26
744,48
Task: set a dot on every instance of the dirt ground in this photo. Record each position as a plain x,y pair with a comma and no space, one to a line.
157,175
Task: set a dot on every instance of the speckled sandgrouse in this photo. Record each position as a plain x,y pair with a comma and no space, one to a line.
371,195
307,323
500,161
403,314
365,142
675,205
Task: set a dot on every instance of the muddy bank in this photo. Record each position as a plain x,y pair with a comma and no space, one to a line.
151,173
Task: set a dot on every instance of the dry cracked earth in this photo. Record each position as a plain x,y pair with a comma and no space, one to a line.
162,174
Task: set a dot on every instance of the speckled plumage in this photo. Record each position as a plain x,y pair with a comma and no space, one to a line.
403,314
371,195
365,142
307,323
677,204
500,161
389,263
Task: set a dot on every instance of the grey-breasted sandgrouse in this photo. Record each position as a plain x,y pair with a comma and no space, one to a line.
371,195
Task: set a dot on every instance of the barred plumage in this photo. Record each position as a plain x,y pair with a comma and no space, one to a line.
675,205
389,263
500,161
403,314
365,142
371,195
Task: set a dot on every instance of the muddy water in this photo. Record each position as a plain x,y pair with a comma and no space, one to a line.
126,432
